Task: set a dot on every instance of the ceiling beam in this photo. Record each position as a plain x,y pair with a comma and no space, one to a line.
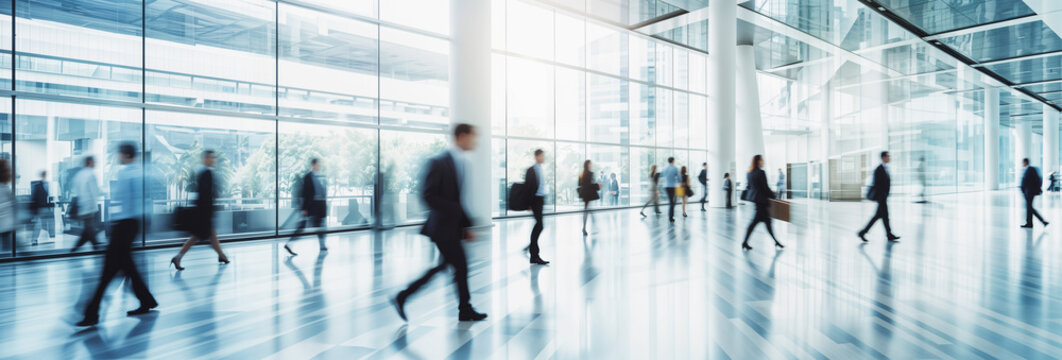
984,27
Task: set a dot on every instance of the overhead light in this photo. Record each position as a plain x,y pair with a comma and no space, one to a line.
881,8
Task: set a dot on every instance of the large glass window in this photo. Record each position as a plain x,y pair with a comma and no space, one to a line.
72,48
212,54
245,173
54,139
404,155
414,87
328,66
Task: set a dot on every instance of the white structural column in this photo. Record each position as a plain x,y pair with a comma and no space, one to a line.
722,24
749,124
1023,143
1050,140
991,139
470,97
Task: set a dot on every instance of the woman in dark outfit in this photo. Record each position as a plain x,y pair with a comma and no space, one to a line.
760,194
202,227
588,191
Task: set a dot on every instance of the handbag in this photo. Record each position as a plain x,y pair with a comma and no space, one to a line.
745,194
689,191
680,191
183,217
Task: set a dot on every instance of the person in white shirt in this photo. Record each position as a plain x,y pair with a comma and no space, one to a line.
86,193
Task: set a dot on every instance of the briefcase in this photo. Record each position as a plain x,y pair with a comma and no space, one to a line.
519,197
779,210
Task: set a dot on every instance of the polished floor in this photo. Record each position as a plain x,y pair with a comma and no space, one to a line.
964,283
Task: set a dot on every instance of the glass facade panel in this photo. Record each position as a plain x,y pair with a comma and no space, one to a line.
55,138
347,157
80,48
403,157
218,55
328,66
414,85
245,175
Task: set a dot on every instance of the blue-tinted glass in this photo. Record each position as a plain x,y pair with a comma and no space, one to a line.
85,48
936,16
1042,88
1002,43
1030,70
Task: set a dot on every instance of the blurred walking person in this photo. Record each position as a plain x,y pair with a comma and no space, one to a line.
781,184
86,193
671,182
728,187
314,205
879,193
202,226
613,190
654,191
448,222
760,194
128,194
1030,188
7,207
587,191
684,189
41,213
535,179
703,179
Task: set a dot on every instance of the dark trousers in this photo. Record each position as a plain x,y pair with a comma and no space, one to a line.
536,208
670,203
762,215
614,198
1030,211
883,214
729,196
119,258
453,254
704,196
88,231
313,222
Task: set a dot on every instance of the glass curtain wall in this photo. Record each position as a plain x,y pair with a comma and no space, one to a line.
581,89
267,85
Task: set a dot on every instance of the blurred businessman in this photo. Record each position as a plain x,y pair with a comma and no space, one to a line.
448,222
879,193
535,179
1030,188
314,205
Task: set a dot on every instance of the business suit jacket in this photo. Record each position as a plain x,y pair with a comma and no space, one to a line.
1031,182
703,177
532,181
38,197
759,192
879,190
206,194
447,218
312,207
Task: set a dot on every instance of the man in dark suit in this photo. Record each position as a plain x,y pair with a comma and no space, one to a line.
1030,187
879,192
448,222
703,179
314,205
728,186
41,208
535,180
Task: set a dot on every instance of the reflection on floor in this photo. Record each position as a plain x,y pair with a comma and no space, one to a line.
964,283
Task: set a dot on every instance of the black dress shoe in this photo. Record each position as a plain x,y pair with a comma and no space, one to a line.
288,248
1046,223
143,309
399,302
863,236
539,261
893,237
1027,226
471,315
88,322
